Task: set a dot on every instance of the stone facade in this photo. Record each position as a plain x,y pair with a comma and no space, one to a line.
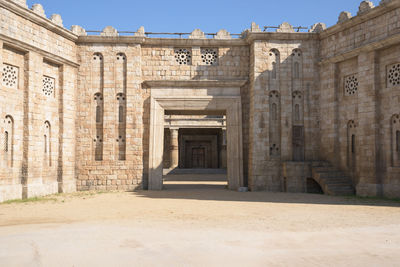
90,112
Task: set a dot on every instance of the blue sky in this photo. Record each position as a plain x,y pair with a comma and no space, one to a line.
185,16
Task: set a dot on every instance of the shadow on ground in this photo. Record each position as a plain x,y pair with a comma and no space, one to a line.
215,188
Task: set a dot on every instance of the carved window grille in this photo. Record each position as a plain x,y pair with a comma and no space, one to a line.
209,56
393,75
10,76
183,56
350,85
48,85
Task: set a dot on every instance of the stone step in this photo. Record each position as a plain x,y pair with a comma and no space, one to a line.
338,182
331,174
332,180
325,169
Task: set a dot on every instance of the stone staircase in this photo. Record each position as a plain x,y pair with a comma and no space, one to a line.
332,180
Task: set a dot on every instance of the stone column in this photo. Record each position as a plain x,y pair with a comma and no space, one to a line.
173,148
223,150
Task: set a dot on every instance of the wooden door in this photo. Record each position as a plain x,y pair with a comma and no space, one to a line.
198,157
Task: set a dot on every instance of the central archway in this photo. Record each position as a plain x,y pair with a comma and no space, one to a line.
196,95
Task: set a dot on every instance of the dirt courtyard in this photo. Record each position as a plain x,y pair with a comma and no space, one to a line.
199,225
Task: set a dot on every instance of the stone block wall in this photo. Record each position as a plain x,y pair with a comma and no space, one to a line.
110,172
75,109
360,99
283,94
37,105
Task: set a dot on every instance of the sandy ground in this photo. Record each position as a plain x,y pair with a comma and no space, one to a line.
191,224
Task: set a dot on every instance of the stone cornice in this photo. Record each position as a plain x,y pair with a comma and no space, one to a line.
24,47
264,36
375,12
194,83
159,41
96,39
35,18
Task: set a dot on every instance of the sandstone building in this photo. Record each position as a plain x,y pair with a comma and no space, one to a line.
281,111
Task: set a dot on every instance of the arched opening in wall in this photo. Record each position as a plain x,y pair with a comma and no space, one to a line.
395,142
296,71
312,187
6,141
298,139
297,112
273,66
47,144
195,149
351,146
274,125
98,139
273,76
9,141
121,126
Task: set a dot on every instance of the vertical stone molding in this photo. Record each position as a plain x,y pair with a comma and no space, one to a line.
56,19
285,27
344,16
197,34
364,7
38,9
222,34
78,30
174,149
109,31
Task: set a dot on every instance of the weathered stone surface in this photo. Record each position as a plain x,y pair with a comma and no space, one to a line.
254,27
344,16
222,34
140,32
56,19
38,9
364,7
318,27
285,27
197,34
109,31
78,30
81,112
20,2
